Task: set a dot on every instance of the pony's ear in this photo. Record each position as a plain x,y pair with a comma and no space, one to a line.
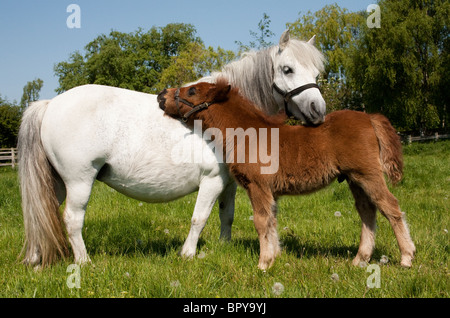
284,39
312,40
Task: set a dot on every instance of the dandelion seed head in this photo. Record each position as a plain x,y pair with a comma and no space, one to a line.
277,288
335,277
337,214
201,255
175,283
250,217
166,231
384,260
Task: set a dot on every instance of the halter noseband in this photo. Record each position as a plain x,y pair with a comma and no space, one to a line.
288,95
195,108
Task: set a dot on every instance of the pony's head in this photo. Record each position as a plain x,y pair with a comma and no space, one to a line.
297,65
186,101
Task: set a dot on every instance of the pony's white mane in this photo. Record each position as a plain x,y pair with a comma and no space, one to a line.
253,73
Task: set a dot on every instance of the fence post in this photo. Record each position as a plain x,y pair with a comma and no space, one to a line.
409,139
13,158
436,136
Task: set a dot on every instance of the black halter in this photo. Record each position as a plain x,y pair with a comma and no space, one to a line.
288,95
195,108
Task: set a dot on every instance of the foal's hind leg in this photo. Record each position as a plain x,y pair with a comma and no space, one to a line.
265,220
367,212
226,210
376,188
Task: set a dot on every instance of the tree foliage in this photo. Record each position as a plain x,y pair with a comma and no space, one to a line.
141,61
402,67
261,37
31,92
10,116
398,69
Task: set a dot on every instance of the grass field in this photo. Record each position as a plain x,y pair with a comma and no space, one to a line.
134,245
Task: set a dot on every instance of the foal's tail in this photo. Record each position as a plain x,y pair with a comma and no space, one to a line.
390,147
45,240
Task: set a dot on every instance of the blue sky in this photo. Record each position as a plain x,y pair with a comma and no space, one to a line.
34,35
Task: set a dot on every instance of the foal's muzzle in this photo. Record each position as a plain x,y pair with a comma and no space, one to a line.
161,99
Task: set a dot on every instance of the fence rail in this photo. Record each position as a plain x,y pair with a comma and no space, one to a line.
409,139
8,157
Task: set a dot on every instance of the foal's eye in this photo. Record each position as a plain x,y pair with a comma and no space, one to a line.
287,70
192,91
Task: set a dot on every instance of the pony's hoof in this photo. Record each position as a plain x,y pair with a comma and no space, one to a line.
83,260
186,255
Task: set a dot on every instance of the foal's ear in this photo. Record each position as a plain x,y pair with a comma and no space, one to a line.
221,92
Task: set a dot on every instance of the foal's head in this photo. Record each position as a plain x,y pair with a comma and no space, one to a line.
186,101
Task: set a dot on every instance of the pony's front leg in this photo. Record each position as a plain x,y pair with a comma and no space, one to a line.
265,220
226,210
208,192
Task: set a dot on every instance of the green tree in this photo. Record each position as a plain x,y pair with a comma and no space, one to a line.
140,60
192,63
10,115
261,37
31,92
401,69
335,29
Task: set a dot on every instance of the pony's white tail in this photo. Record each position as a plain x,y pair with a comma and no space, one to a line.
45,240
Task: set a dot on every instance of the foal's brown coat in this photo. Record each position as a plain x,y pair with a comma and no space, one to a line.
351,145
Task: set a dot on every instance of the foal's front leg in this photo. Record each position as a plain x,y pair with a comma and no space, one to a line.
265,220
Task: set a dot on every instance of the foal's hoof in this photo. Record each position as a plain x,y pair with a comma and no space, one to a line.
264,265
406,262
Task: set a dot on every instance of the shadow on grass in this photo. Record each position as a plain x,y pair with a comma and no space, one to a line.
144,238
132,238
301,249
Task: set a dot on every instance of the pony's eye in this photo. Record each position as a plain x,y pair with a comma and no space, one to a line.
192,91
287,70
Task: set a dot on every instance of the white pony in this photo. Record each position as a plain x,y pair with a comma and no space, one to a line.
122,138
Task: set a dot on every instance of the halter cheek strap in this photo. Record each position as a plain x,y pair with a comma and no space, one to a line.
288,95
195,108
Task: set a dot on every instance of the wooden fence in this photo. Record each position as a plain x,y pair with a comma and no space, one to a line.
410,139
8,157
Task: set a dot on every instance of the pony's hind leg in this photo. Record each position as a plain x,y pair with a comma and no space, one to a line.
78,194
367,212
226,210
378,192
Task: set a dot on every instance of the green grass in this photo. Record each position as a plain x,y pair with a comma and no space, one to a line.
134,247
